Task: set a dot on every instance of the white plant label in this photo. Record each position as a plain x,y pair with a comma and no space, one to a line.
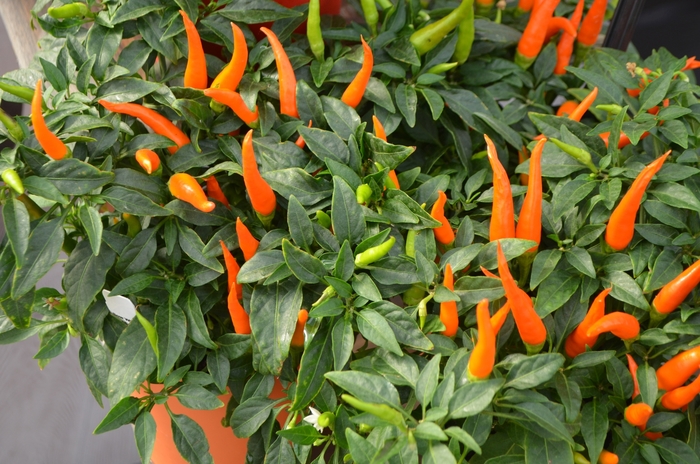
120,306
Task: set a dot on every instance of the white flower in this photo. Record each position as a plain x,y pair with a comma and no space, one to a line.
312,419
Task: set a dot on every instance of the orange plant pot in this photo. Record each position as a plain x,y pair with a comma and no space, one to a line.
225,447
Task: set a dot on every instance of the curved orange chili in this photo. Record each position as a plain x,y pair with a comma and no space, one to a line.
248,243
231,75
186,188
443,234
593,23
298,336
234,101
240,318
300,142
448,309
586,103
567,108
530,327
673,293
532,40
622,325
196,70
286,77
148,160
157,122
559,23
380,133
503,213
633,371
262,197
678,369
530,220
681,396
499,318
565,47
624,139
620,228
232,269
577,341
638,414
606,457
483,356
50,143
356,89
214,191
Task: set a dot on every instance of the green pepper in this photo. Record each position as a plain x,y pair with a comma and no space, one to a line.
70,10
324,220
428,37
374,254
411,243
18,91
11,125
369,8
612,108
579,154
441,68
327,419
133,225
34,210
313,30
423,310
382,411
465,37
363,193
414,295
12,180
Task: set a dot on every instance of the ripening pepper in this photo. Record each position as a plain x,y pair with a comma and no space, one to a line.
633,372
533,37
298,336
313,30
285,75
214,191
379,132
503,213
530,221
239,318
12,180
50,143
246,241
356,89
483,356
443,234
428,37
196,70
369,9
184,187
620,228
232,269
375,253
678,369
149,161
681,396
448,309
622,325
133,225
530,327
673,293
262,197
231,75
577,341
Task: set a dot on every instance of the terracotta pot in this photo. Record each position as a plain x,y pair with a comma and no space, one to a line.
224,446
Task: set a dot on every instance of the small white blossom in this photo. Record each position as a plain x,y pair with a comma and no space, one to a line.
312,419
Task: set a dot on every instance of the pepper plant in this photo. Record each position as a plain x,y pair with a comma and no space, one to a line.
364,183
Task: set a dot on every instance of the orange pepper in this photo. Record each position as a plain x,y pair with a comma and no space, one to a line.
148,160
483,356
261,194
448,309
231,75
240,319
186,188
443,234
50,143
503,213
356,89
214,191
577,341
234,101
232,269
286,77
298,336
622,325
248,243
530,220
633,371
196,70
678,369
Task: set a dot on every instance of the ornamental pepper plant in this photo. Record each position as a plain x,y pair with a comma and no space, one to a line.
451,230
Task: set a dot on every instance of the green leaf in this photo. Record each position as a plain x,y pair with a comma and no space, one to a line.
581,260
196,327
543,417
134,9
407,101
250,415
132,362
375,328
655,92
133,284
85,275
145,434
190,439
304,266
591,358
472,398
346,215
300,227
535,370
675,451
74,177
544,264
361,450
16,219
256,11
676,195
90,218
427,382
132,202
280,452
19,311
343,339
220,368
366,387
558,288
103,43
193,246
570,395
570,195
317,358
626,289
56,345
594,427
171,328
301,435
648,388
387,154
196,397
94,361
121,413
43,248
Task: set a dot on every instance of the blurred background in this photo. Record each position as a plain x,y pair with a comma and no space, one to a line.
48,416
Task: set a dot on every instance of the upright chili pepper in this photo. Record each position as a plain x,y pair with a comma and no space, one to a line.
465,37
428,37
240,318
375,253
298,336
567,107
157,122
231,75
148,160
448,309
379,132
11,125
622,325
503,213
530,327
12,180
681,396
577,341
286,77
673,293
678,369
606,457
557,24
232,269
356,89
530,221
196,70
300,142
52,145
499,318
369,9
579,154
638,414
590,27
262,197
186,188
620,228
234,101
586,103
483,356
534,34
313,30
214,191
443,234
565,47
18,91
69,10
633,371
248,243
382,411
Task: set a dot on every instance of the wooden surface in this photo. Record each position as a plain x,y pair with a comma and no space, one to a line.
17,20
